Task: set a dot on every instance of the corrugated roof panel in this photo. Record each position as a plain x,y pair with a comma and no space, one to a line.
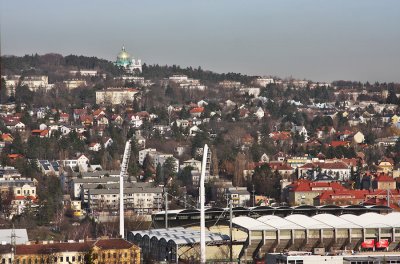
307,222
335,221
279,222
251,224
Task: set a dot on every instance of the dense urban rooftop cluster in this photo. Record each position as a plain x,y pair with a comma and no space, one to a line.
273,141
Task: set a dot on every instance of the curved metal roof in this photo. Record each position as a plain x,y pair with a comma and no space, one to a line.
179,236
335,221
251,224
307,222
279,222
368,220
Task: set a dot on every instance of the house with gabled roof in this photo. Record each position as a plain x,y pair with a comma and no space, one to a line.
95,146
196,111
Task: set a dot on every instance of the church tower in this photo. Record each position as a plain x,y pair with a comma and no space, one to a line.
124,60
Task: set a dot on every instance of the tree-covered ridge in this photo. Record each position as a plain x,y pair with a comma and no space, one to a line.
47,62
158,72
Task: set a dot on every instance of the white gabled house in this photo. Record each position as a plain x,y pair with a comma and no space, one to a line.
194,130
301,130
260,113
95,146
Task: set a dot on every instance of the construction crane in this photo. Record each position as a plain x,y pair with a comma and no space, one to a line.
123,172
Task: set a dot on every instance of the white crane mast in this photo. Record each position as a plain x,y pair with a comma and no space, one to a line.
123,172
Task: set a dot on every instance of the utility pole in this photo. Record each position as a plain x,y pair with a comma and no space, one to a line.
254,197
230,231
184,197
13,242
166,207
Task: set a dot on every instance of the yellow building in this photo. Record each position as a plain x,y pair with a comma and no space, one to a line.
395,119
93,251
385,166
115,251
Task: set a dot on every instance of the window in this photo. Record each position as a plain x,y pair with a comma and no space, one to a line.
61,259
67,259
79,258
109,255
114,255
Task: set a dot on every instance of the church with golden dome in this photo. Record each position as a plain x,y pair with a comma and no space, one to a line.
124,60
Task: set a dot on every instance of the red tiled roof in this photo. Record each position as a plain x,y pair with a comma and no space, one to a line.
80,111
309,186
7,137
339,143
279,166
85,118
386,159
343,194
21,197
351,162
384,178
197,110
114,243
280,135
143,114
337,165
52,248
42,133
98,112
15,156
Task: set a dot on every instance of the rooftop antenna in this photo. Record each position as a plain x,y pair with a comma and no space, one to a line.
202,201
123,172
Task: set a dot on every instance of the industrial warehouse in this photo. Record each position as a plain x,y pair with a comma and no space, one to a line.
255,236
178,243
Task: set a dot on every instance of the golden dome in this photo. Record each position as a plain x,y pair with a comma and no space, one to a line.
123,55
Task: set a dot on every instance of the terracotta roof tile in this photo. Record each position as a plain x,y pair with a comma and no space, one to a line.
116,243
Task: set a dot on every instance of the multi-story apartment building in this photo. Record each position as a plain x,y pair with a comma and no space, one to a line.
157,157
140,200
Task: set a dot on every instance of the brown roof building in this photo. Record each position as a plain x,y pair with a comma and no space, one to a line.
116,250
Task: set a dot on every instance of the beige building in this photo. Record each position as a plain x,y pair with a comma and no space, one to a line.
116,95
36,82
73,84
358,137
101,251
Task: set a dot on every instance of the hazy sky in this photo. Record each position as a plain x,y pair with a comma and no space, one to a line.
313,39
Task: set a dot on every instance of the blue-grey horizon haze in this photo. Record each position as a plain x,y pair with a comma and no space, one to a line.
317,40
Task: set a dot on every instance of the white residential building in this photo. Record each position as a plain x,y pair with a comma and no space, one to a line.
36,82
157,157
116,95
82,163
263,81
254,91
